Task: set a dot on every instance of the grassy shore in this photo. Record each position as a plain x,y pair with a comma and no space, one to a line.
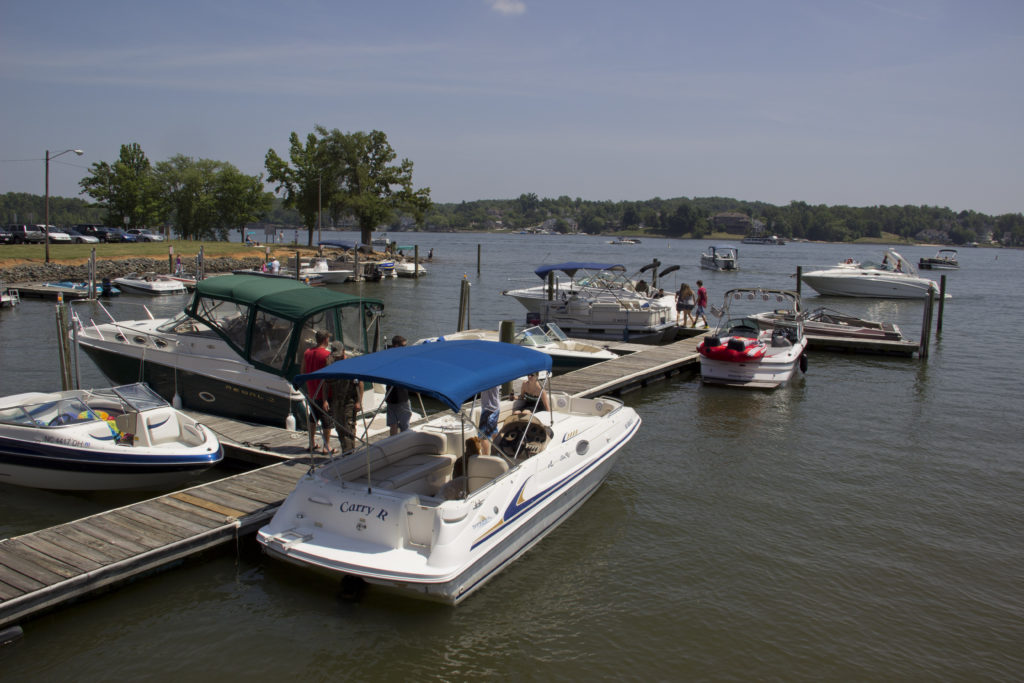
77,254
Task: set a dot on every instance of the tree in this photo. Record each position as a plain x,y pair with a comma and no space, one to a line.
126,188
348,174
208,198
301,181
365,183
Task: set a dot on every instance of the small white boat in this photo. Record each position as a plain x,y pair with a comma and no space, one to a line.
566,354
150,283
125,437
9,297
66,286
720,258
744,352
422,512
894,278
827,322
944,259
321,269
409,269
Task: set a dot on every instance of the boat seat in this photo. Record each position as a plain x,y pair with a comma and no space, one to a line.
161,427
433,468
482,469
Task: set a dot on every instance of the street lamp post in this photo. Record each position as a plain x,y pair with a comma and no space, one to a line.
46,206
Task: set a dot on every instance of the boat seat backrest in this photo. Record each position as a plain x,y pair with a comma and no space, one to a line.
482,469
127,423
161,426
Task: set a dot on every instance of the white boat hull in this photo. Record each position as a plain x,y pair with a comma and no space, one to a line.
769,371
869,284
426,546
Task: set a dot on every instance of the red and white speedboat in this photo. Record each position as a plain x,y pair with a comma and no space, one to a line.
744,351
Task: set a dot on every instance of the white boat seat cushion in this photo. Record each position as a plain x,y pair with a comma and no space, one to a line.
482,469
161,426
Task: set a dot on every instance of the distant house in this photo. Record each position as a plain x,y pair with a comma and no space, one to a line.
732,222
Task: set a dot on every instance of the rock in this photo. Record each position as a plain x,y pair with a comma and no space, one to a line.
55,272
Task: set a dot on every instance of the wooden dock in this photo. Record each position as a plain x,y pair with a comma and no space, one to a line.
46,569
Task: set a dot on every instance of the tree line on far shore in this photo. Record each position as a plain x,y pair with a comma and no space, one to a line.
349,181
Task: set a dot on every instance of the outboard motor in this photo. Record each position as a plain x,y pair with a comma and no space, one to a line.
105,288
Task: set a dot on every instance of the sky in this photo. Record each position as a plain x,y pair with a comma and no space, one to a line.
855,102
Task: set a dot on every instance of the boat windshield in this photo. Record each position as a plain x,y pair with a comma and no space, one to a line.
138,396
532,336
555,332
56,413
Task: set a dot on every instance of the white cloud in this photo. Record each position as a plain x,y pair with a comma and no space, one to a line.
508,6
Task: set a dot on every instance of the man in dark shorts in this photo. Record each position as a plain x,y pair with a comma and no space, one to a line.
399,408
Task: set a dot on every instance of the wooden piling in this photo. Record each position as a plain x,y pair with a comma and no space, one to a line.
799,278
506,332
63,346
478,252
926,326
92,274
942,304
416,260
464,318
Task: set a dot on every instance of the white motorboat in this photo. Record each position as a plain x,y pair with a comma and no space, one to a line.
944,259
566,354
764,239
894,278
827,322
598,302
744,352
409,269
386,268
124,437
322,269
720,258
231,350
421,512
153,284
9,296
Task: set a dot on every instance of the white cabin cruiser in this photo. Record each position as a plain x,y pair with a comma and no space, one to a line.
325,272
124,437
894,278
420,512
232,349
744,352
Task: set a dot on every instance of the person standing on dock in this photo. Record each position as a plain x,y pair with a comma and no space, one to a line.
397,398
346,400
702,304
315,358
684,304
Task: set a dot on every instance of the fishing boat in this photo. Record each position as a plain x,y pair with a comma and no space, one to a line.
566,354
152,284
423,512
233,348
744,352
125,437
720,258
894,278
944,259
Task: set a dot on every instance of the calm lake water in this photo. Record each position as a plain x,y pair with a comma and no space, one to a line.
865,522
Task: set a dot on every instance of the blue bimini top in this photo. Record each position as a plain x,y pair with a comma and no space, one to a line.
450,371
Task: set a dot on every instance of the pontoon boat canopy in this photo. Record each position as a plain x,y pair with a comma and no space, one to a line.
571,267
451,371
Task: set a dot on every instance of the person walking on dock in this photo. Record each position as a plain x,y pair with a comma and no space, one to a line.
490,407
315,358
702,304
397,398
684,304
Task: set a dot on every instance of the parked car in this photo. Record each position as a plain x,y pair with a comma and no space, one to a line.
26,234
143,235
5,235
56,234
81,238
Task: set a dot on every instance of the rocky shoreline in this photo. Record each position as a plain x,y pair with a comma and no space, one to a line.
56,272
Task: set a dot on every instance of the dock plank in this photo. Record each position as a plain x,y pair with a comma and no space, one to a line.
82,544
69,557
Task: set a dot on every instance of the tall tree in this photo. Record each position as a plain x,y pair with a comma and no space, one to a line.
301,182
366,183
126,188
